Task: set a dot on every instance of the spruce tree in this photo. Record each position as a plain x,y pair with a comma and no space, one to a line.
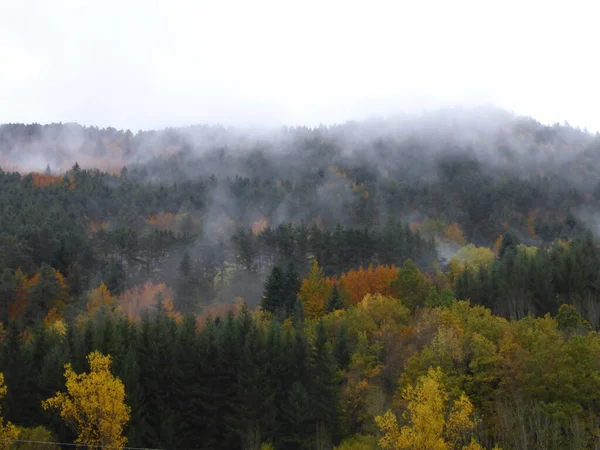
335,300
188,391
292,285
324,385
341,349
253,411
296,418
186,288
274,292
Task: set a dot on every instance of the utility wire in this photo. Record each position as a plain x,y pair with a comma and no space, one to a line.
78,445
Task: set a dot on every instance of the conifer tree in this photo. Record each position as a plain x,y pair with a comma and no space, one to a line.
334,301
292,285
274,292
324,384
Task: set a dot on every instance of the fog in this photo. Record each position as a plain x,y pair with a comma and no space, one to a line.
135,65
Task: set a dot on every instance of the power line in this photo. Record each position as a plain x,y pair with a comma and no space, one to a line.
78,445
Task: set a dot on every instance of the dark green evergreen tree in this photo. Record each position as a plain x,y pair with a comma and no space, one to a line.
292,285
324,386
275,292
335,300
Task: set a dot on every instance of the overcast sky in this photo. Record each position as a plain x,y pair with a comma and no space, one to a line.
151,64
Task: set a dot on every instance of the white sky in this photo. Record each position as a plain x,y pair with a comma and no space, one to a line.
151,64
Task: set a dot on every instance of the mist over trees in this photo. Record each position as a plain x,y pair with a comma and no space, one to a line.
304,287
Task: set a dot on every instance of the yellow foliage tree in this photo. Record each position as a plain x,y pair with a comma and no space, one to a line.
8,432
429,425
315,291
472,257
98,298
55,322
94,405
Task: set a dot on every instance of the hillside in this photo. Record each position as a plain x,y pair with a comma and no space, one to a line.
292,286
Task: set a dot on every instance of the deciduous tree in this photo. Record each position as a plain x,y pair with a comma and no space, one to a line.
8,431
315,292
429,423
94,404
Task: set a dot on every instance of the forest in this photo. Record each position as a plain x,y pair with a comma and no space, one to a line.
420,282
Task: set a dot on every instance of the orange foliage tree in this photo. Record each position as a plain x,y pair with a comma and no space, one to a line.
147,296
17,309
97,226
454,234
259,225
162,220
355,284
43,180
25,286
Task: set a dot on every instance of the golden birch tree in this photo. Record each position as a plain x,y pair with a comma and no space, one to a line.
429,423
94,404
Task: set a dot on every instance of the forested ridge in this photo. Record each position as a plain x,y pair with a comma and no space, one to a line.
408,283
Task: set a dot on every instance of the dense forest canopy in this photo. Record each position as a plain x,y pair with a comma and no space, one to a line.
303,287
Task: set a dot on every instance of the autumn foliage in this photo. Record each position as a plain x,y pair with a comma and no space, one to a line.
43,180
8,431
355,284
26,285
315,291
259,225
97,226
100,298
94,404
147,296
430,422
453,234
162,221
